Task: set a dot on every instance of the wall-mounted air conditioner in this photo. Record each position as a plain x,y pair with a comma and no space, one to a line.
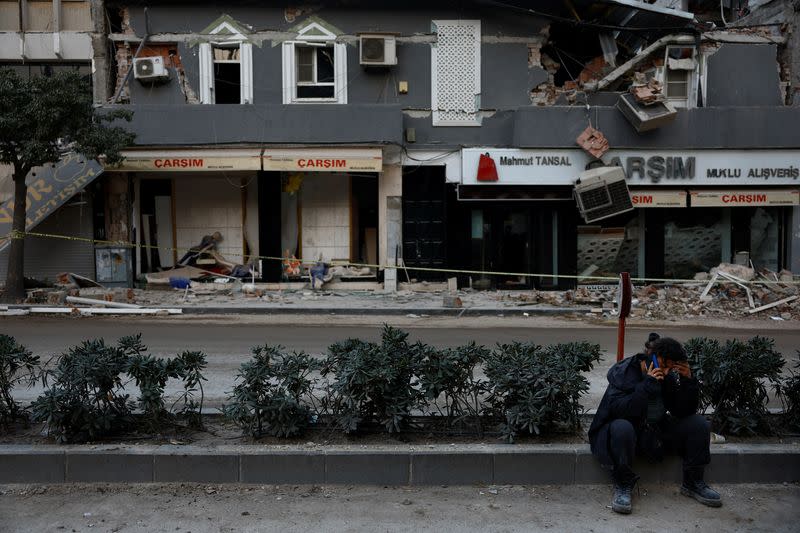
601,193
150,69
377,50
646,117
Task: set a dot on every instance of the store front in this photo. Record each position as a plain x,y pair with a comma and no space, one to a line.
306,203
692,211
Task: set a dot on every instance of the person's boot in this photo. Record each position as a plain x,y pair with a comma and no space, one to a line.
621,502
624,481
694,487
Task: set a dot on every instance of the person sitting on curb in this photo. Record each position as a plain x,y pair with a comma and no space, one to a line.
650,408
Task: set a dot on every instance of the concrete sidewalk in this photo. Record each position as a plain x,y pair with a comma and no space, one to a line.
527,464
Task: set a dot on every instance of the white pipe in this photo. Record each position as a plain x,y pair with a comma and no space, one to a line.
91,301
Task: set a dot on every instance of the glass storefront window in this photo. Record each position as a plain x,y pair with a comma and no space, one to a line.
764,238
609,247
693,241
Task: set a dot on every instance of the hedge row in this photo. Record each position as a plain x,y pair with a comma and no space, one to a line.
358,385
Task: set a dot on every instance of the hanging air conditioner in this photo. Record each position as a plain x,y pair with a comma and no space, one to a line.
150,69
646,117
602,192
377,50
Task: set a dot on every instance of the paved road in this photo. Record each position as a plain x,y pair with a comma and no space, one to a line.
240,508
227,340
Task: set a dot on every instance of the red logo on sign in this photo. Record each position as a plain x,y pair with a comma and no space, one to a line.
487,169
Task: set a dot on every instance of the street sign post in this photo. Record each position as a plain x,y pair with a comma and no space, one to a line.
624,297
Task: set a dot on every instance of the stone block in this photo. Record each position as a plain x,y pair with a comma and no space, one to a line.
538,468
277,468
589,471
452,468
112,466
367,468
769,466
197,468
31,466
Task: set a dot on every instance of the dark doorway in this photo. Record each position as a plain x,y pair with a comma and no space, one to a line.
269,224
364,222
424,213
501,243
155,211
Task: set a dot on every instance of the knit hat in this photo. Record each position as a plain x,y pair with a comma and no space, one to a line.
653,337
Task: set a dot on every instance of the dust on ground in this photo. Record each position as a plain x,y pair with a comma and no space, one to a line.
199,508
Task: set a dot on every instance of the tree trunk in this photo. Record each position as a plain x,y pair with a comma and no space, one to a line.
15,281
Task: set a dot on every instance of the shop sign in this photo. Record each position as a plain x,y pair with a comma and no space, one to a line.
744,197
49,187
190,161
324,160
642,167
658,198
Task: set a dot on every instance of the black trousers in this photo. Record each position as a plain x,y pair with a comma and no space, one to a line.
687,437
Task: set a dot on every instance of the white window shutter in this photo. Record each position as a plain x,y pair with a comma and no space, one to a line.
288,73
206,69
340,76
246,65
456,73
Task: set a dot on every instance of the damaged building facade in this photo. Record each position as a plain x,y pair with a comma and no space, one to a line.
450,137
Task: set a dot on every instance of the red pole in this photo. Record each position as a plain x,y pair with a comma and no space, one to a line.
624,298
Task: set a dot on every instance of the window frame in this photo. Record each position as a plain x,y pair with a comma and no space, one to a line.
689,100
207,61
291,66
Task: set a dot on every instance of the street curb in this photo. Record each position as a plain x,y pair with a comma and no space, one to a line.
388,311
412,465
361,311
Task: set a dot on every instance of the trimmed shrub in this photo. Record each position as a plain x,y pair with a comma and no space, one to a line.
448,383
734,378
18,366
374,382
151,375
86,399
536,389
273,393
790,396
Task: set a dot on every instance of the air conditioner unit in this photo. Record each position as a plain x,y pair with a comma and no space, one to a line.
150,69
646,117
377,50
602,192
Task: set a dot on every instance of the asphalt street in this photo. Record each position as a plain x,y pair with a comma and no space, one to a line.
227,340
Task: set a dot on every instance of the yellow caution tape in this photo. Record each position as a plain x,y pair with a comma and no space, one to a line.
18,235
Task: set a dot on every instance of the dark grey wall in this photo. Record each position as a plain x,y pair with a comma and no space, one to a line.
711,127
743,75
256,124
532,127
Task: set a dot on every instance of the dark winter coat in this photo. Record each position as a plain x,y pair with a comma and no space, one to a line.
627,397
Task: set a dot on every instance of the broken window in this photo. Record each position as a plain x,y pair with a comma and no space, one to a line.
227,75
679,71
315,71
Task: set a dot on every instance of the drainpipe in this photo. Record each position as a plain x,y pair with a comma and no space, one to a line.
138,51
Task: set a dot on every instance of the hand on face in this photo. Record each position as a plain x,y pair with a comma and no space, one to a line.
681,366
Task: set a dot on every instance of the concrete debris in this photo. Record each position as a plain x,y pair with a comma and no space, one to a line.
593,141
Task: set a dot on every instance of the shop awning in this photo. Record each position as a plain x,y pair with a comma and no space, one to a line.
745,198
324,159
190,160
658,198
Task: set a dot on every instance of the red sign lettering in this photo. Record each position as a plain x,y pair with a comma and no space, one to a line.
322,163
178,163
744,198
642,199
